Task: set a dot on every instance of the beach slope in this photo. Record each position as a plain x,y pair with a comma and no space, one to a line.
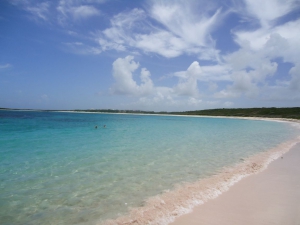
269,197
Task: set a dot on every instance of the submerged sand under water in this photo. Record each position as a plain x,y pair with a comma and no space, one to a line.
165,208
56,168
269,197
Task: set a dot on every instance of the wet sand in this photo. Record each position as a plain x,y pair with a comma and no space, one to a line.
269,197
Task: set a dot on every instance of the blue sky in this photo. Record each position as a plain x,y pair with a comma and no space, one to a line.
149,55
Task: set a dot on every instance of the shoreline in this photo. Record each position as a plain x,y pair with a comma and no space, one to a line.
180,202
269,197
162,209
279,119
197,116
154,210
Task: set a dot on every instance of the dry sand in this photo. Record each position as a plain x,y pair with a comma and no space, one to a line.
269,197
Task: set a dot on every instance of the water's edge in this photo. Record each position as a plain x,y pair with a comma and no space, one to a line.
165,208
69,168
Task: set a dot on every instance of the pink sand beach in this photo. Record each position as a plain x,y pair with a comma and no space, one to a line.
269,197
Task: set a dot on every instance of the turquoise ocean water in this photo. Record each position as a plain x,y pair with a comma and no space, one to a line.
56,168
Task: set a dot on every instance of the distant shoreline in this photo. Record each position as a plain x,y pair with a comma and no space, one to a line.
290,114
210,188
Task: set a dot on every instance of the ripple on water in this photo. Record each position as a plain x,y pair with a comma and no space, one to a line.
55,168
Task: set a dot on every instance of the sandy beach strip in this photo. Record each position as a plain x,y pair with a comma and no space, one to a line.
231,196
269,197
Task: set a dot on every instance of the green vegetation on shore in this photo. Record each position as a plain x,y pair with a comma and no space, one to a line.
289,113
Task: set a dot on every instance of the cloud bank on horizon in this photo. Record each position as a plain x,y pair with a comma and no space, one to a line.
152,55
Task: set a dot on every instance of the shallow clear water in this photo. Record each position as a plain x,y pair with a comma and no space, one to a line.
56,168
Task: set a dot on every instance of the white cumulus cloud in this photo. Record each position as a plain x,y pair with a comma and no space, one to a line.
188,80
123,69
76,10
268,11
142,87
177,29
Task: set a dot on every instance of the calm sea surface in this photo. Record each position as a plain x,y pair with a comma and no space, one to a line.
56,168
